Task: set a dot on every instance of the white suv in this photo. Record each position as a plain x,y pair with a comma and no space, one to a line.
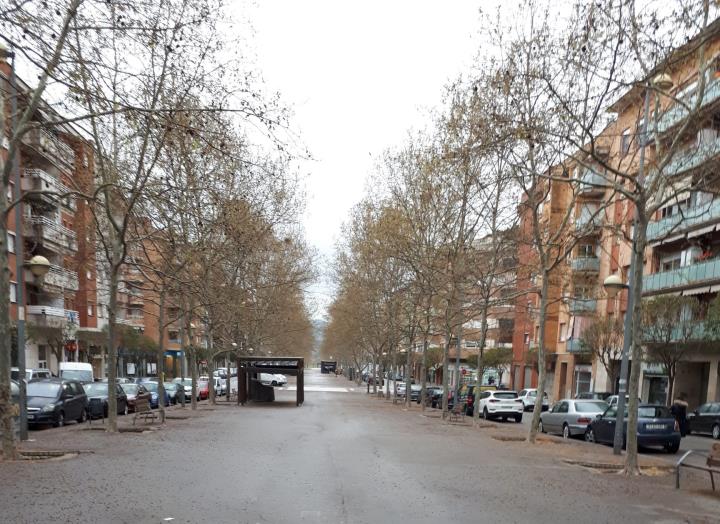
528,397
501,404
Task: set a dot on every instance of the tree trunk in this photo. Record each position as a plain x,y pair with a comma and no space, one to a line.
115,266
374,373
542,375
671,386
211,366
446,365
408,381
631,458
161,357
480,365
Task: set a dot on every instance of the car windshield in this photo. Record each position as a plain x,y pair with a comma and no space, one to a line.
590,407
169,386
77,374
151,386
43,389
505,394
96,389
130,389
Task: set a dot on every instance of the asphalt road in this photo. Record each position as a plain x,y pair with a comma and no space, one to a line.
340,458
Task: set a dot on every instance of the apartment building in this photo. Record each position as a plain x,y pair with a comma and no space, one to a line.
683,257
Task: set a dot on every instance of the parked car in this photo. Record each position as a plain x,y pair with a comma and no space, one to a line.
528,397
173,391
501,404
612,400
705,419
154,390
593,395
432,393
272,379
655,427
134,393
466,395
571,417
30,374
118,380
99,390
80,371
187,385
203,389
55,401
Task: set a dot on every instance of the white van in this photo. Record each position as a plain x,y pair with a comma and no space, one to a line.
81,371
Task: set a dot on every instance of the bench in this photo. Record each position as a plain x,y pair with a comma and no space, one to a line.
712,464
142,410
457,414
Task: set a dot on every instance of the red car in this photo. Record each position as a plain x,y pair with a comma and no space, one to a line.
203,389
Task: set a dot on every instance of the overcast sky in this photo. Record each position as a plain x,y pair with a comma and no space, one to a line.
359,75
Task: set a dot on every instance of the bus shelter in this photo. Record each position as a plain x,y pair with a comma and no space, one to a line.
249,367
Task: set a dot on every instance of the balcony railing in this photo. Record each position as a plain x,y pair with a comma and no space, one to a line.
588,264
687,276
39,180
676,113
44,229
692,157
50,146
62,278
681,222
591,182
573,345
578,306
49,315
689,331
588,221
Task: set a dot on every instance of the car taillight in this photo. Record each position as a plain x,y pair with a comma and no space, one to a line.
676,426
584,420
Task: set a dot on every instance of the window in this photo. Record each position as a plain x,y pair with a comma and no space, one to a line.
669,265
42,356
586,251
563,328
13,292
625,141
10,189
563,407
11,242
100,310
90,310
89,275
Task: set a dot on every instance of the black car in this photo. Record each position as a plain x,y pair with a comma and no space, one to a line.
99,391
55,401
705,419
655,427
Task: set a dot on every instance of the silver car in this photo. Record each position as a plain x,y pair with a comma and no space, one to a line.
571,417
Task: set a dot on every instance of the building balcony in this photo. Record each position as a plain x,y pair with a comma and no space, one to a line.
50,234
585,264
50,316
689,219
580,306
692,158
689,331
678,112
573,345
591,183
62,278
39,180
51,147
588,222
695,275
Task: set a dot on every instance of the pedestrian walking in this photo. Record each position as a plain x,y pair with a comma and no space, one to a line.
679,410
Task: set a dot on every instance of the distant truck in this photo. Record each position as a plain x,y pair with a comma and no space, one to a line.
328,366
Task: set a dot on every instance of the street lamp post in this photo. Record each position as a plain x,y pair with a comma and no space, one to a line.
613,284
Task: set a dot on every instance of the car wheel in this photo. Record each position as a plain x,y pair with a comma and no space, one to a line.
716,431
486,415
672,448
60,421
589,435
274,383
541,427
83,416
518,418
566,431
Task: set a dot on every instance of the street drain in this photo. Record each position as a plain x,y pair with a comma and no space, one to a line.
48,455
508,438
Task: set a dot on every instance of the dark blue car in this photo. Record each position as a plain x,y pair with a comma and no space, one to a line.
152,387
656,427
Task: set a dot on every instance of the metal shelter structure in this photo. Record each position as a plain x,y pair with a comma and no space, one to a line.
249,367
